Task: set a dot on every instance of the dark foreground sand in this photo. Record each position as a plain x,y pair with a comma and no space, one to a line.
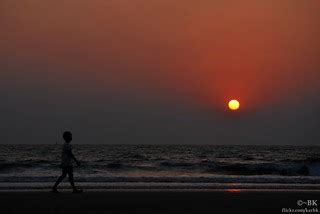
128,201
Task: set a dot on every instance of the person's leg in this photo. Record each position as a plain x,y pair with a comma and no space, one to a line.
63,175
70,175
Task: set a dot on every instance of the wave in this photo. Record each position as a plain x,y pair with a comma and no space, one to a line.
4,167
115,165
289,168
207,166
312,160
177,164
118,167
25,165
261,169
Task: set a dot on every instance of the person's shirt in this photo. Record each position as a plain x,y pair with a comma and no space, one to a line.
66,159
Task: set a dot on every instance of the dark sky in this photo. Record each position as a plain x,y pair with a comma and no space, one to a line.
151,71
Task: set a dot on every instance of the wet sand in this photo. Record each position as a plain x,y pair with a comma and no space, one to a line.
154,201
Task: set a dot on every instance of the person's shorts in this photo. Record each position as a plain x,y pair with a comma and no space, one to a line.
67,169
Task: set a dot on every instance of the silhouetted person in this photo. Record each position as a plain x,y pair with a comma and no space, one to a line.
66,163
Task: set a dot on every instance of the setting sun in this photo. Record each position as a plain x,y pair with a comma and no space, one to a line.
234,105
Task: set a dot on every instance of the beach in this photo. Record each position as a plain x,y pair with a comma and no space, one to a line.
155,201
161,179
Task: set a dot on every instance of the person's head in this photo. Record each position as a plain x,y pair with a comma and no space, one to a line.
67,136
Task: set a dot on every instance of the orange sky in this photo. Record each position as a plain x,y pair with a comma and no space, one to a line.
201,52
253,50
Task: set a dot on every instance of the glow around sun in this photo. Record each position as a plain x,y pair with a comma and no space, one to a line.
234,105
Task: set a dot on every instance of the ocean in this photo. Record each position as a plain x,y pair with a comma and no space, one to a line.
164,167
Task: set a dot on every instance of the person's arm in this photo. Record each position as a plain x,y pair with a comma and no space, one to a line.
74,158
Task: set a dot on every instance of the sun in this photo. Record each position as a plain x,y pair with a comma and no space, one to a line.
234,105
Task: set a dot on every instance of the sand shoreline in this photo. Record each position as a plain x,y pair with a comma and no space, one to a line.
154,201
234,190
159,186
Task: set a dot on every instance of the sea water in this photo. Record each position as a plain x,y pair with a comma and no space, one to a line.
164,166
